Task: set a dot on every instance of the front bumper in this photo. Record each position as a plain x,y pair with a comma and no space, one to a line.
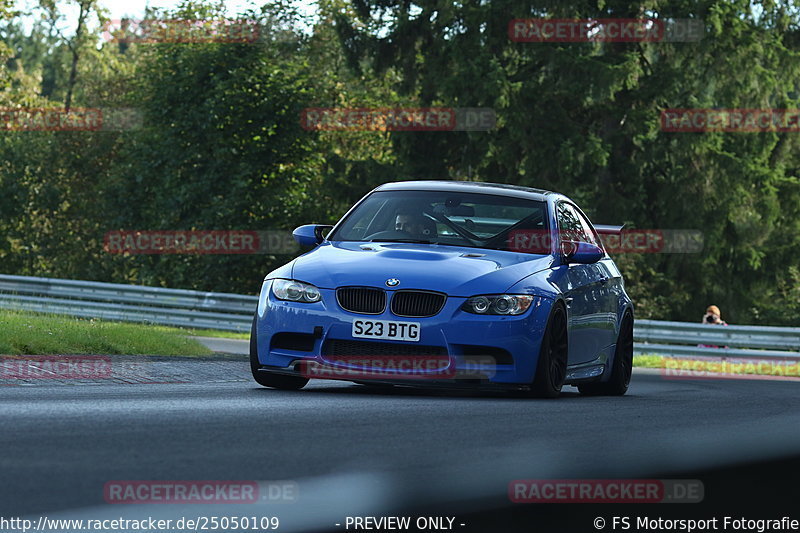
461,348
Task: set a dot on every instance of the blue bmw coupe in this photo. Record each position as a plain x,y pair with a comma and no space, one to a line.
443,283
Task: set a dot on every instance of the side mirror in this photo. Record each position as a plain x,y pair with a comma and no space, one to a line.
581,252
310,234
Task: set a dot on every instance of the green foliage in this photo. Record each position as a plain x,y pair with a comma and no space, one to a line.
221,145
222,148
583,119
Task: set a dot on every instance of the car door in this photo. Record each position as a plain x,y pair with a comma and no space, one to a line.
608,291
582,290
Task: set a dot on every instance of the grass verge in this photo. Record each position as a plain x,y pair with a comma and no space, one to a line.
211,333
24,333
649,361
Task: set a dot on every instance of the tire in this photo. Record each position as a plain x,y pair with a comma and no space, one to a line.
621,367
551,370
268,379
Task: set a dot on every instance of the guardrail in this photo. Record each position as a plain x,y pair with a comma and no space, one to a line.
681,339
234,312
128,303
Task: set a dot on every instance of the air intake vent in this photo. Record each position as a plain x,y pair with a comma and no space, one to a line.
301,342
364,300
417,303
347,348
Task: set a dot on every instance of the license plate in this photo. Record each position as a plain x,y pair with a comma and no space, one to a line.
386,329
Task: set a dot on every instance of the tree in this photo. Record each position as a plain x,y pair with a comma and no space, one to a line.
221,149
76,43
583,119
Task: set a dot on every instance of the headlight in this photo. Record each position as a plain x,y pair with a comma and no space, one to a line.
295,291
498,304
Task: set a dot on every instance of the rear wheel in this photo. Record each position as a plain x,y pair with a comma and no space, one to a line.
621,367
551,369
268,379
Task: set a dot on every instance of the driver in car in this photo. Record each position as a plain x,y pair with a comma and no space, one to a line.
417,225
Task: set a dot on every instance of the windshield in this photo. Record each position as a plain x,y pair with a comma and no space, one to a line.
441,217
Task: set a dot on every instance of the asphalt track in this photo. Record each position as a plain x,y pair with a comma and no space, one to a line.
355,450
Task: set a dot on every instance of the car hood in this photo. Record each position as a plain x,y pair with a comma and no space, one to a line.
456,271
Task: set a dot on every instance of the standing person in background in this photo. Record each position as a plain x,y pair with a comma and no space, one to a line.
713,317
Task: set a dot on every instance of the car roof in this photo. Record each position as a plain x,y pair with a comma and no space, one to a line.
500,189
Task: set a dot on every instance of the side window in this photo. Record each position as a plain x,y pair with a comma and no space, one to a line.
570,227
588,229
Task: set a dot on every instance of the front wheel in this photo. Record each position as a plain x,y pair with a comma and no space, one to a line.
551,370
268,379
621,367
